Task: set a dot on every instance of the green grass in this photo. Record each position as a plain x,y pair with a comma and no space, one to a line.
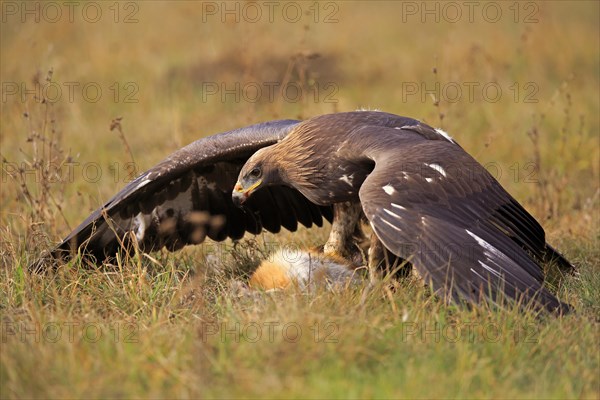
166,333
177,325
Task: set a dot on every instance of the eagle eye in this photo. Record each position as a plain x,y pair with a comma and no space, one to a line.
255,173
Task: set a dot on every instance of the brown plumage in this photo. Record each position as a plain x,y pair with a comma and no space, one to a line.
428,202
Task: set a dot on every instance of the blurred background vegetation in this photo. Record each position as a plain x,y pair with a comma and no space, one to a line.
89,100
177,72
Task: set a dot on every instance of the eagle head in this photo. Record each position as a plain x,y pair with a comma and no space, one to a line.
258,172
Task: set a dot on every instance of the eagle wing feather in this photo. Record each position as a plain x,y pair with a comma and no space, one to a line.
187,197
431,203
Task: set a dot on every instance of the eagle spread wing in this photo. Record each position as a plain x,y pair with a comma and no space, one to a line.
187,197
427,200
430,202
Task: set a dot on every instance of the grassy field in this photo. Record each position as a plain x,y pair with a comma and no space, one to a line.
516,84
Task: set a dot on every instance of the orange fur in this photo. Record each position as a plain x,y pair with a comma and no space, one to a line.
286,268
269,276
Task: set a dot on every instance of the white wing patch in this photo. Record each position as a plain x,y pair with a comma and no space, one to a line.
429,180
483,243
142,184
389,189
393,214
475,272
444,134
367,109
399,207
438,168
490,269
489,252
140,227
347,179
390,224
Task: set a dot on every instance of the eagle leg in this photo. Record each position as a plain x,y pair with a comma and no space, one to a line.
346,239
381,259
346,234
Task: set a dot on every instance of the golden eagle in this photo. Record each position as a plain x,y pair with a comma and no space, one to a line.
428,202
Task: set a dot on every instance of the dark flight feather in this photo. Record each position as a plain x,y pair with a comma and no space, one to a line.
187,197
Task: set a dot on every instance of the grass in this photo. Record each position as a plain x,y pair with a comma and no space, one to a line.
177,325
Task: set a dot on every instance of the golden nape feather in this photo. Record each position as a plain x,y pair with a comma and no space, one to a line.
304,270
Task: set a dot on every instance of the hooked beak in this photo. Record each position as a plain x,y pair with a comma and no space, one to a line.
240,195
